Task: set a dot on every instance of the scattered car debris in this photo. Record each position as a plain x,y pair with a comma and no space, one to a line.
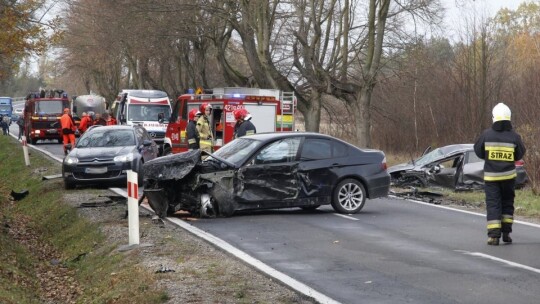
425,196
453,166
49,177
79,257
164,269
17,196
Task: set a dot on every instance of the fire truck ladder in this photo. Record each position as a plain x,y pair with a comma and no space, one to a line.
288,107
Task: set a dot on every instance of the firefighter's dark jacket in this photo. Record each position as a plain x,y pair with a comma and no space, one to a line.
192,135
245,128
500,147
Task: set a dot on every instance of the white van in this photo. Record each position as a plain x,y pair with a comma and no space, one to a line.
149,108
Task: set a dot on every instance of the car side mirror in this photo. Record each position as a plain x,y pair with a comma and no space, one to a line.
147,143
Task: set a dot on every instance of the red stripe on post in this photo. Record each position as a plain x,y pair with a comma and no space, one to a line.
129,188
135,191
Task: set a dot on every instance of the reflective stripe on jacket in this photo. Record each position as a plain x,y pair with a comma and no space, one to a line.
499,148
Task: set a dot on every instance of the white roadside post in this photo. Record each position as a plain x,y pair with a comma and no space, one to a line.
133,207
25,151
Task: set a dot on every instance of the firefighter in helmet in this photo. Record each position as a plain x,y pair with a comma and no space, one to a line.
243,125
500,146
204,129
191,129
68,130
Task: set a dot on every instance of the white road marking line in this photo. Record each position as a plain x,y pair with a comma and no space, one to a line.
285,279
346,216
490,257
459,210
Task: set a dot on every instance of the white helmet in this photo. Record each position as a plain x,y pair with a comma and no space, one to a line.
501,112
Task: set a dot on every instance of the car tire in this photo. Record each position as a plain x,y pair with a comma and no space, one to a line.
29,140
68,185
60,140
349,196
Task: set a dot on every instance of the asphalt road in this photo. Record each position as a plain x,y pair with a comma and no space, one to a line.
394,251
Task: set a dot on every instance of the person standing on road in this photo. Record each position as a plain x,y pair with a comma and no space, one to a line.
243,125
500,146
99,120
203,127
86,121
6,123
68,130
20,123
3,124
191,129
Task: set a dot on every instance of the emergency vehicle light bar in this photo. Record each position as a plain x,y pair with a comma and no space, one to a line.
235,96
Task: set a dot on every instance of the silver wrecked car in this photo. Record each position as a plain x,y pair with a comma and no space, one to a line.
452,166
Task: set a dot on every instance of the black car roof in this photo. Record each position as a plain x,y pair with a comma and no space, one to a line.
265,137
278,135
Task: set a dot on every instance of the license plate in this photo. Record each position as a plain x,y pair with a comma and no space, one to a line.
98,170
52,131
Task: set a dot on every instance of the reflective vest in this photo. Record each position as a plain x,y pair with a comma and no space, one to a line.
499,148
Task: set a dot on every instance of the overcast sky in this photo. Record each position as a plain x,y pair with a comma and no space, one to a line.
459,12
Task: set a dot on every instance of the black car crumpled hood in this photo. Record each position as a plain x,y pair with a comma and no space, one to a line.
100,153
174,166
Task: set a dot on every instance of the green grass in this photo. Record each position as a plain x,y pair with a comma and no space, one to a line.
526,203
105,275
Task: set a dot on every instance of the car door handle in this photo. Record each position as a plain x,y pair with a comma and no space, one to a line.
336,164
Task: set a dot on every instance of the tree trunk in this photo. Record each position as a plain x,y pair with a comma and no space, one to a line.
363,117
312,113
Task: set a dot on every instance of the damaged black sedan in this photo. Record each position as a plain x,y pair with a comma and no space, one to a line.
267,171
453,166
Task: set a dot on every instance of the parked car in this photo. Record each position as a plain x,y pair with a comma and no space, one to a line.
104,153
453,166
267,171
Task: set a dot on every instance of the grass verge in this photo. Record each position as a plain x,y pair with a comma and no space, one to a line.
49,253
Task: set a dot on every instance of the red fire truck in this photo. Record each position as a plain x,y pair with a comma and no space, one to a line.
272,111
42,116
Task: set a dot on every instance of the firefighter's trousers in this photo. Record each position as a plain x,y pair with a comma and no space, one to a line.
500,206
68,139
205,145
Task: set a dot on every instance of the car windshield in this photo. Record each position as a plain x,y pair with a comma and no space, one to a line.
139,112
237,150
429,157
49,107
106,138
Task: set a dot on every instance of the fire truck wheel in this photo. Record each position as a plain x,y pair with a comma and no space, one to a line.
29,140
60,140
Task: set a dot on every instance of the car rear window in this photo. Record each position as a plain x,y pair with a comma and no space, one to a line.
316,148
